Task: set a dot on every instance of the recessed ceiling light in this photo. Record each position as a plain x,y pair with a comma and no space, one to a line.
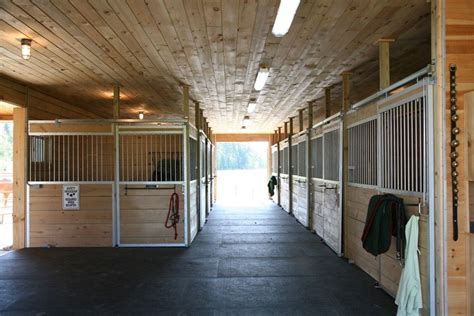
285,16
26,48
246,120
251,107
141,115
262,77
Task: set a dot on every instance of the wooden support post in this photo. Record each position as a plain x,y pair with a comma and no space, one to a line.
384,62
201,119
345,149
187,237
310,115
116,113
300,119
279,167
286,130
20,162
345,91
327,103
290,167
196,114
309,183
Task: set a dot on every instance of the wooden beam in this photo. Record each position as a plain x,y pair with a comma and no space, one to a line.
327,103
116,102
290,167
197,114
285,130
300,119
310,115
279,133
241,137
186,101
20,125
346,88
384,62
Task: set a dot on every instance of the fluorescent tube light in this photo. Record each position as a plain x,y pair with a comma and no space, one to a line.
262,77
251,107
285,16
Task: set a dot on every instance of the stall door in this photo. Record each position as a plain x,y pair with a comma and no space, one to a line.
151,173
326,165
300,183
203,177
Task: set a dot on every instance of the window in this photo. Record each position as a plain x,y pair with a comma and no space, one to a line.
275,161
302,159
285,160
363,153
193,158
402,144
331,155
317,158
294,159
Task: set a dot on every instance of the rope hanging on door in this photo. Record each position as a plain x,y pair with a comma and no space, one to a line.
172,219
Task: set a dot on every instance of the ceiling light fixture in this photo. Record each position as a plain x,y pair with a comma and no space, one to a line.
262,77
285,16
141,115
246,120
251,107
25,48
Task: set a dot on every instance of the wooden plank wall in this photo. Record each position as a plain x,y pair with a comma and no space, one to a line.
40,105
459,51
143,214
91,226
285,194
193,218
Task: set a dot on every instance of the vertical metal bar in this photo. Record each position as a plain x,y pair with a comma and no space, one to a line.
166,159
97,158
141,169
161,158
146,158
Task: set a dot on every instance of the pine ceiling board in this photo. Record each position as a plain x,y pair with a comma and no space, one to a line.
195,16
119,17
182,28
107,42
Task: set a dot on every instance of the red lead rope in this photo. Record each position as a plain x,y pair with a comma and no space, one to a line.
173,214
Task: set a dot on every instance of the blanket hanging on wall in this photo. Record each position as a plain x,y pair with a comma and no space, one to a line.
385,218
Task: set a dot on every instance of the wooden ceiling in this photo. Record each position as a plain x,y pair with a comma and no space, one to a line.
82,48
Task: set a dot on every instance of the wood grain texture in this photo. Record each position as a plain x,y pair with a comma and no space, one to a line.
459,51
90,226
82,49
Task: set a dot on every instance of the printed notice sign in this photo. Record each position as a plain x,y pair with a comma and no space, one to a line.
71,197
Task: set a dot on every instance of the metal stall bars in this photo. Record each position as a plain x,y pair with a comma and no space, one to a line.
73,154
152,169
327,180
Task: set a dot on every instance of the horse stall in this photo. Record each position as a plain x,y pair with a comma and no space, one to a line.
285,175
388,138
112,183
299,178
326,181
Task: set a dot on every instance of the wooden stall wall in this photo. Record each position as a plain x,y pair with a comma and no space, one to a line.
300,184
459,51
193,211
42,106
90,226
143,215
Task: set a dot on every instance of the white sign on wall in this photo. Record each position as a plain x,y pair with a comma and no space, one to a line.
71,197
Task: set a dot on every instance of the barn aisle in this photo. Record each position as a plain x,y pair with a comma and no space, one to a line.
250,261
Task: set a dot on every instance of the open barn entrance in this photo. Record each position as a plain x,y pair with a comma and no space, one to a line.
242,173
6,185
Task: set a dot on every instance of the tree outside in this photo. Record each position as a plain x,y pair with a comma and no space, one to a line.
6,179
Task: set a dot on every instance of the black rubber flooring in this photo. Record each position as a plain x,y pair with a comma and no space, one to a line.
246,261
